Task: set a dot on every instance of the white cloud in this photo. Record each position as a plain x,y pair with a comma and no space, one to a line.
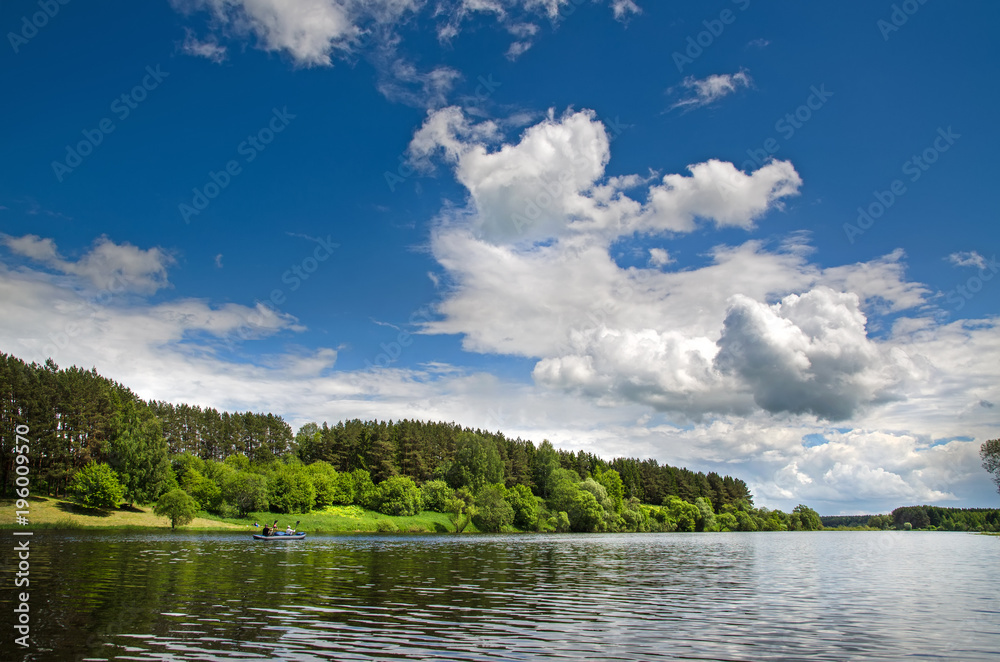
710,89
551,182
659,257
208,49
809,353
967,259
654,323
107,266
308,30
623,8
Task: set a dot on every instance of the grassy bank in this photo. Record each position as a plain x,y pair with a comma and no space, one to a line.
61,514
353,519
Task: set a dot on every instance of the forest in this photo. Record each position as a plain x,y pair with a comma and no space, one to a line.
929,518
94,440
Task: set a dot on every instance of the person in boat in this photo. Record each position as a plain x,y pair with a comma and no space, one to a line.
289,531
267,530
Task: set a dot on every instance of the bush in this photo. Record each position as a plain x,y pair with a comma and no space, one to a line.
493,511
177,506
397,495
525,507
97,486
435,495
324,479
290,490
386,526
246,492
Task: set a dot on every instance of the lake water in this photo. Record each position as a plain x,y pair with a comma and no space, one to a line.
726,596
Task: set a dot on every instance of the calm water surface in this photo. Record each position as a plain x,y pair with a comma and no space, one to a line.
740,596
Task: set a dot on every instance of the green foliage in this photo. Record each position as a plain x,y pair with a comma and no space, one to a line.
525,507
683,515
744,521
545,462
989,452
477,463
585,513
706,516
245,491
138,451
238,462
177,506
363,488
324,479
559,522
289,490
613,485
386,526
204,490
435,495
808,519
493,511
97,486
461,508
726,522
397,495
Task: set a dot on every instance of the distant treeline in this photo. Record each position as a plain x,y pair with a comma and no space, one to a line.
77,417
922,517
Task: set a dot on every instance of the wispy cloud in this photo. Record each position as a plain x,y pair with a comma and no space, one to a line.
712,88
208,49
967,259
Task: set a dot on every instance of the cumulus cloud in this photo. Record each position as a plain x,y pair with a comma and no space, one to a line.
640,339
106,265
718,191
758,328
551,183
708,90
809,353
659,257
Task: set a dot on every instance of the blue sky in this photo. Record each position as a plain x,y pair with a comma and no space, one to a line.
632,228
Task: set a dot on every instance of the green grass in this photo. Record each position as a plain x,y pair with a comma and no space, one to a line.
52,513
350,519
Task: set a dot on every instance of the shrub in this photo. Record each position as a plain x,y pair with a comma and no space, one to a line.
397,495
97,486
386,526
290,490
494,513
246,492
435,495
